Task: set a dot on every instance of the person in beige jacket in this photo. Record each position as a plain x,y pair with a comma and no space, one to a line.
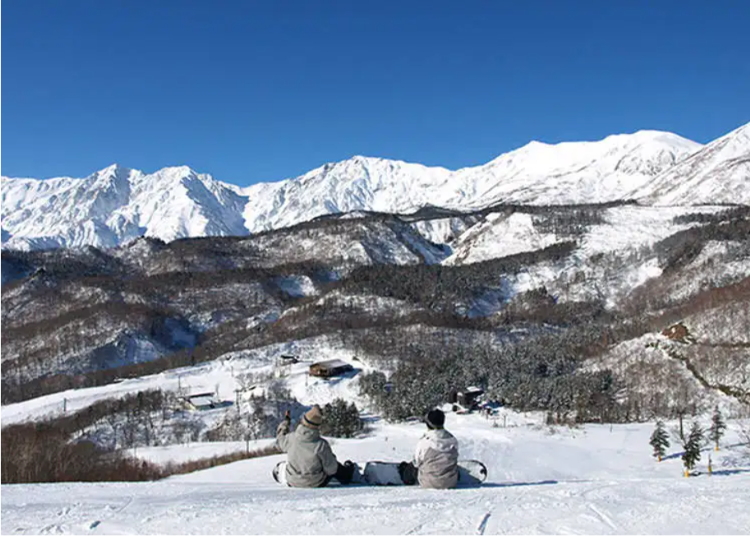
310,460
435,462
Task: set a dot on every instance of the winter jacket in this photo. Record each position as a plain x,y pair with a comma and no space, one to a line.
310,461
436,459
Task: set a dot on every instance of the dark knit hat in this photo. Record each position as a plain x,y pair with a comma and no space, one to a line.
435,419
313,418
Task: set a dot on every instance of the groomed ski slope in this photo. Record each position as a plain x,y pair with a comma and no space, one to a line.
594,479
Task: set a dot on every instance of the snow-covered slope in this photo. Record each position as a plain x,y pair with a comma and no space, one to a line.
718,173
597,479
616,229
117,204
617,251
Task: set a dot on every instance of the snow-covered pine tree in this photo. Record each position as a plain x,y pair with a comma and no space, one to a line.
340,419
659,440
692,448
718,426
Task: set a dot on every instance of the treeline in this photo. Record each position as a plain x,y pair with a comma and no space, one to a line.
734,213
570,222
61,449
432,213
49,452
681,248
437,286
542,373
128,262
159,290
42,453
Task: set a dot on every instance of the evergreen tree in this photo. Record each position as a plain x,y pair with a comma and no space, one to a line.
692,447
659,440
340,419
717,427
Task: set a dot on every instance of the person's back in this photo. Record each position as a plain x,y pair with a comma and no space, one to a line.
436,457
310,460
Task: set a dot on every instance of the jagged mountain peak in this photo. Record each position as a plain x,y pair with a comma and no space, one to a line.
171,174
117,203
112,169
112,174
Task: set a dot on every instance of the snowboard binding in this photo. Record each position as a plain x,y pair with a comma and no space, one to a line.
346,472
408,473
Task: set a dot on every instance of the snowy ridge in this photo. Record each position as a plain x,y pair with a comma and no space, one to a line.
117,204
718,173
580,172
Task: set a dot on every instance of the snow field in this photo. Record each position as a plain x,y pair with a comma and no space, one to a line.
594,479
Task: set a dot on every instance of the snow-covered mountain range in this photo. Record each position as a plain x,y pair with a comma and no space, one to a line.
117,204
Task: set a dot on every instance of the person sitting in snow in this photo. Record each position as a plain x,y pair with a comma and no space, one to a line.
310,460
436,458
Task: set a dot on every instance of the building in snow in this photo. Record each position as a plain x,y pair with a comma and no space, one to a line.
466,398
202,401
330,368
678,332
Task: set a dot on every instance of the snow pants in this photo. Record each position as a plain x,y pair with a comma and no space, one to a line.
344,474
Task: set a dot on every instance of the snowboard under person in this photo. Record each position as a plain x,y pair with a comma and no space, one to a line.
310,460
436,458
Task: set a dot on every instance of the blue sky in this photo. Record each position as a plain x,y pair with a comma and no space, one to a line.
258,91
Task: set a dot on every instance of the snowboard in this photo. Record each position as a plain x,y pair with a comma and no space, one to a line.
279,475
470,473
